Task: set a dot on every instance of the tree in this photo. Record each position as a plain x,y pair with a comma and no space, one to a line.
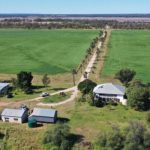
86,86
138,96
24,80
46,80
113,140
125,75
74,72
135,134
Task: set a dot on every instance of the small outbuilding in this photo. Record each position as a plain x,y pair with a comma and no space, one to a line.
110,91
44,115
4,87
15,115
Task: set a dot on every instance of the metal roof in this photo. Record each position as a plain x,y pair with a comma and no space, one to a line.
109,88
3,85
43,112
13,112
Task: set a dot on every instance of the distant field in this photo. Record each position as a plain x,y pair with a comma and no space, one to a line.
129,49
43,51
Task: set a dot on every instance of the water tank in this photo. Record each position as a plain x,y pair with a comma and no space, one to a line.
32,123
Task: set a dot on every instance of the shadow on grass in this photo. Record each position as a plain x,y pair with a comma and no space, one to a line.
37,92
63,120
38,125
75,138
2,136
34,87
58,89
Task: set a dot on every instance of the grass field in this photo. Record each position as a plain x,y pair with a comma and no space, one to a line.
90,121
129,49
43,51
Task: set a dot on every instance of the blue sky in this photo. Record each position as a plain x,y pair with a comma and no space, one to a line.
75,6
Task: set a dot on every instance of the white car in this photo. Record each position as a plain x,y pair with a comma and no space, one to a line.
44,94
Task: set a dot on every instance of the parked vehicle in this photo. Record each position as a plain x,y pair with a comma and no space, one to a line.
44,94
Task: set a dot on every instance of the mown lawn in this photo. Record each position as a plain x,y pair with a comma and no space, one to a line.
43,51
129,49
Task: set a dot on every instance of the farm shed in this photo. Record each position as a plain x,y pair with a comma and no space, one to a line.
4,87
44,115
110,91
15,115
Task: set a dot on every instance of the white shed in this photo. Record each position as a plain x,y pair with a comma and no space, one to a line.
44,115
14,115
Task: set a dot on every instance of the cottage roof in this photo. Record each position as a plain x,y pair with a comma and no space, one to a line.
109,88
13,112
43,112
3,85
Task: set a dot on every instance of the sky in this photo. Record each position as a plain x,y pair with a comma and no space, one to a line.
75,6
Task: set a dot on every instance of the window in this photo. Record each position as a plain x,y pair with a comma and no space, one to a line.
15,119
7,119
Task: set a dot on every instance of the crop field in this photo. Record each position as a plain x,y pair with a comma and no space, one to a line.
43,51
128,49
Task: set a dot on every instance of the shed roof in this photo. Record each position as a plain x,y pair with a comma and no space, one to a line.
13,112
109,88
43,112
3,85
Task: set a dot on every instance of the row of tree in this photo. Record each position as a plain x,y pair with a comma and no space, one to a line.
88,55
75,24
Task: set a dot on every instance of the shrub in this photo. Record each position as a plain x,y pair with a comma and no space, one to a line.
100,102
135,133
135,137
9,95
112,140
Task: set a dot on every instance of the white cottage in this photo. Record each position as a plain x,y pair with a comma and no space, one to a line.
110,91
14,115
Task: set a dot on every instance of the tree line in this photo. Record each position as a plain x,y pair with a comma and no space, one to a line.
74,24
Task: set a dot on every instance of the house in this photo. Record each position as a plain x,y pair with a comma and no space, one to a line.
109,91
44,115
4,87
15,115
